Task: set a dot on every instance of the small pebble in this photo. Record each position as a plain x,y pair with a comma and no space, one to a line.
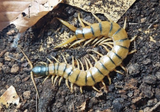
150,79
7,57
147,61
158,75
134,69
27,94
6,69
15,68
117,104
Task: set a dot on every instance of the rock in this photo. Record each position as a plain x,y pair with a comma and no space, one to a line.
151,79
7,57
158,75
134,69
27,94
118,104
147,61
6,69
15,68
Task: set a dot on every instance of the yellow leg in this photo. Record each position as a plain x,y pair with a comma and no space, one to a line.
73,28
80,20
97,18
66,42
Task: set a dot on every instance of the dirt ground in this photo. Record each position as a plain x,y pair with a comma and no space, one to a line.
136,91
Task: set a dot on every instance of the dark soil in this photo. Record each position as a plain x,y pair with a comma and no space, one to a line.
136,91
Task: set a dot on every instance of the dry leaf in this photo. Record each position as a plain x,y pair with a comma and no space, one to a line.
32,12
112,9
8,97
10,9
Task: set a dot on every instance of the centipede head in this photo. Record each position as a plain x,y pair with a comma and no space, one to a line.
40,70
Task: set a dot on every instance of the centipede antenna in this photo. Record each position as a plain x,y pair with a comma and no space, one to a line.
119,72
55,79
95,89
55,59
96,18
73,28
125,22
77,42
86,63
64,58
81,64
81,89
71,87
97,52
93,57
82,24
89,63
66,42
49,60
52,79
66,81
32,78
123,68
88,41
60,81
105,48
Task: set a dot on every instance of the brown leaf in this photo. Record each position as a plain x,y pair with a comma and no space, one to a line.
9,10
32,12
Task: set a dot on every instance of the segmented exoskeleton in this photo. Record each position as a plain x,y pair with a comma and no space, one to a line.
101,68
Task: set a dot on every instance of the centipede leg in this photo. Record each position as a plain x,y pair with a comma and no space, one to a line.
66,81
95,88
45,79
125,22
103,83
55,79
82,24
81,89
60,81
118,72
71,87
52,79
109,79
123,67
97,18
73,28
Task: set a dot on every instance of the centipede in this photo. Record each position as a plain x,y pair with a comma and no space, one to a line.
102,67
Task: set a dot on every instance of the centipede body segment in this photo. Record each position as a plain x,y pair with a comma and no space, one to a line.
102,67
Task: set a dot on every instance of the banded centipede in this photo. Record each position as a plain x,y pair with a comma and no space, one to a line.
101,68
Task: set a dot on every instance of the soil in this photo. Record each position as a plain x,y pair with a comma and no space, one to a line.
138,90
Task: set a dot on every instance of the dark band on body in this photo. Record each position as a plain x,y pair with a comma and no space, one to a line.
92,30
99,71
100,27
111,27
112,61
